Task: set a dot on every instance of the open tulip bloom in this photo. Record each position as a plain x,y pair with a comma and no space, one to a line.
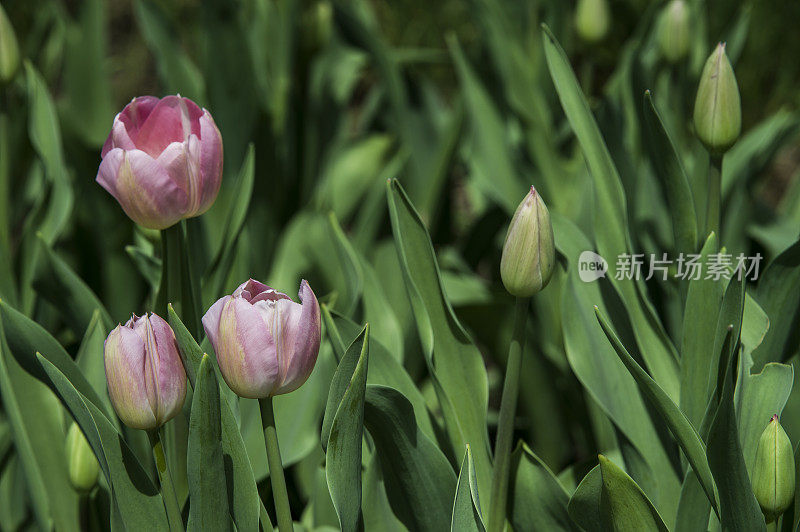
162,160
266,344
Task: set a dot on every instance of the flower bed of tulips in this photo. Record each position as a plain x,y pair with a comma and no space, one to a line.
558,289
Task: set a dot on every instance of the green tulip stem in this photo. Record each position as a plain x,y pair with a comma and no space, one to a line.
178,285
279,493
714,197
167,487
505,425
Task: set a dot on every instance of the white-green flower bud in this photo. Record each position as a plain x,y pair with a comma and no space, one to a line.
82,463
773,472
529,250
9,51
673,36
592,20
717,110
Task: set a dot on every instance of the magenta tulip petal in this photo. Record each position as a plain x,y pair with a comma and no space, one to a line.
181,175
109,170
124,358
246,351
301,328
171,375
210,162
211,320
147,193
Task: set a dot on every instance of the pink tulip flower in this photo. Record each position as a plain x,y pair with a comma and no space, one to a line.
162,160
145,375
266,344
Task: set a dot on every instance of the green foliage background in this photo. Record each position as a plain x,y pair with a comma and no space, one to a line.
467,104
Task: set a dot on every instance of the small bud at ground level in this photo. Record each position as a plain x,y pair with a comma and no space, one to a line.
529,249
9,50
717,109
773,472
673,37
83,466
592,20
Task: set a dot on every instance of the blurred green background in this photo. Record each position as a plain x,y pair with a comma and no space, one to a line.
452,97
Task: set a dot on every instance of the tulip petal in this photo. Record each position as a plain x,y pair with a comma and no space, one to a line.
109,170
124,363
300,338
211,320
211,159
171,376
246,350
146,192
175,161
172,120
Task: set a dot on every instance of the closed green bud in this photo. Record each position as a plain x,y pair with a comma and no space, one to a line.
9,51
83,466
673,36
592,20
717,110
529,251
773,472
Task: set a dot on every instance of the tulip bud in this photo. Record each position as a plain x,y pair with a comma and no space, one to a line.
673,34
83,466
529,251
162,160
9,51
146,379
266,344
773,472
592,20
717,110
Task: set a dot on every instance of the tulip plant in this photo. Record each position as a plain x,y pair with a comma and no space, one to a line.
554,252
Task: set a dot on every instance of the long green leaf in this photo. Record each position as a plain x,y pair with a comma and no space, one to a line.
681,428
205,460
467,506
419,480
610,219
623,504
454,362
343,449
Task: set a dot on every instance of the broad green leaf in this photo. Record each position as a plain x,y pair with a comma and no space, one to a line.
25,338
693,508
669,170
91,361
343,449
537,500
342,378
778,293
351,272
703,302
39,433
584,505
375,506
383,367
455,364
135,496
601,371
244,501
208,507
419,480
610,219
13,493
56,282
623,505
739,509
758,397
683,431
467,506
